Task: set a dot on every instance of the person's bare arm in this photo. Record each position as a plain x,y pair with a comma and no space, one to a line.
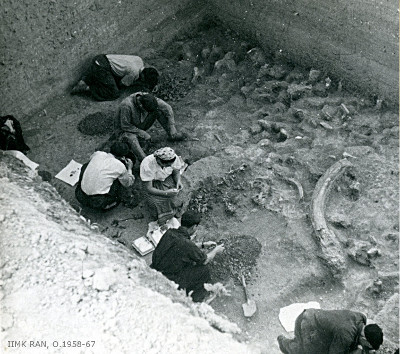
127,179
167,110
213,253
176,175
166,193
205,244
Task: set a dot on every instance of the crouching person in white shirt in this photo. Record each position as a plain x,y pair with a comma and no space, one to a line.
105,178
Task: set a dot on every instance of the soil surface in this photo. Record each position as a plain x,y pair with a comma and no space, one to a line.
66,288
261,134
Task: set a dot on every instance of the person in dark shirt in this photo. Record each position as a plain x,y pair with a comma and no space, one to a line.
11,135
332,332
182,261
136,114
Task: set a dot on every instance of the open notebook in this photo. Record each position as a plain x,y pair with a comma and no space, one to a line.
147,244
143,245
154,232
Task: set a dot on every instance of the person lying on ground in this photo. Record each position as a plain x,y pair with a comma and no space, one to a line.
105,179
332,332
179,259
107,73
136,114
161,178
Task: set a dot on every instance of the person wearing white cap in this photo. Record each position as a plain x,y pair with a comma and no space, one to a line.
160,174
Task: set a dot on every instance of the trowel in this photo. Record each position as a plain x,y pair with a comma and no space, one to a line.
249,307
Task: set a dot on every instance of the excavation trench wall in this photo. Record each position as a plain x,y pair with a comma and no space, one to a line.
355,40
46,44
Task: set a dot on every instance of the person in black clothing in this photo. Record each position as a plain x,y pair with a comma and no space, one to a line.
182,261
332,331
11,135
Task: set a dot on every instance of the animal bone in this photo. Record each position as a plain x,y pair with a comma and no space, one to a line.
299,187
345,154
295,182
332,252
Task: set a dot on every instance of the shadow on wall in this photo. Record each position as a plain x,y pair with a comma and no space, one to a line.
47,44
355,40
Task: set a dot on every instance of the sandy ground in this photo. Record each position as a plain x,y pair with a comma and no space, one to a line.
239,169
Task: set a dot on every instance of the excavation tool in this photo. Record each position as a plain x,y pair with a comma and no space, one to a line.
249,307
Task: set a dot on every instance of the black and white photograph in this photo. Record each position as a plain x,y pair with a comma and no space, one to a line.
199,176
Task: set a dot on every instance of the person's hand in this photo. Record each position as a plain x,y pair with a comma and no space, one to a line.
129,164
163,228
171,192
173,131
145,136
179,186
219,248
357,351
209,244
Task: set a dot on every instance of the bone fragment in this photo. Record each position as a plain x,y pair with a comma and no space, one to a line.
332,252
299,187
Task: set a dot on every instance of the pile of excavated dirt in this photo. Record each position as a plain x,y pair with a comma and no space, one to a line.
175,81
239,258
262,134
99,123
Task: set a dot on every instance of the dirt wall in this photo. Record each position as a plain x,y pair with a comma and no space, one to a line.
45,43
354,40
86,289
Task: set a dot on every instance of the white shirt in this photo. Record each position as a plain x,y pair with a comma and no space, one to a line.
126,66
150,170
102,170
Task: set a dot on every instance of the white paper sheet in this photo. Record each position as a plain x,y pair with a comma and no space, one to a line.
20,156
154,232
288,314
70,173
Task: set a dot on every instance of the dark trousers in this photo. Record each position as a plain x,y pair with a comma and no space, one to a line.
193,279
307,339
134,142
101,80
99,201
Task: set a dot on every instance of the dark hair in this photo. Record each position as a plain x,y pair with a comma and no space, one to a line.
119,149
149,102
374,335
150,77
166,161
190,218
